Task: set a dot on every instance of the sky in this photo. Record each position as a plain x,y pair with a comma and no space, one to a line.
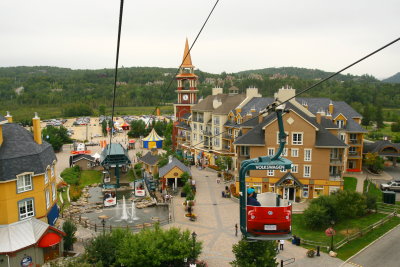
240,35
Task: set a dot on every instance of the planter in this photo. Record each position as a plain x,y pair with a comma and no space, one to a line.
311,253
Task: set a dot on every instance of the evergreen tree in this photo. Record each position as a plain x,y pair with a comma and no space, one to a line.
379,117
366,116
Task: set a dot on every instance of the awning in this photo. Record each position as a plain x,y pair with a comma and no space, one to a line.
53,215
132,141
49,239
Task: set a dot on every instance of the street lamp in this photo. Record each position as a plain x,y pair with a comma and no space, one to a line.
194,245
331,232
103,222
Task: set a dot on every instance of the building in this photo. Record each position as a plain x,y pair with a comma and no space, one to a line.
186,90
202,134
28,195
150,162
324,140
85,162
171,173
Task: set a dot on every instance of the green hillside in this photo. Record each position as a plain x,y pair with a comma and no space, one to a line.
393,79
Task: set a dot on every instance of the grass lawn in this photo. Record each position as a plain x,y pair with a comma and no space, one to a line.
356,245
373,190
89,177
300,230
65,199
350,183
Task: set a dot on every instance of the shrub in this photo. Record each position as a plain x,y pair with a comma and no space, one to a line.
316,217
69,229
71,175
185,177
252,254
75,192
371,202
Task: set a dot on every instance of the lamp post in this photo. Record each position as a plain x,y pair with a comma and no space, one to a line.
103,222
194,246
331,232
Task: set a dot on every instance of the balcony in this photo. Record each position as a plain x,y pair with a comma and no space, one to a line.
336,161
208,146
208,133
198,120
227,136
335,177
354,154
354,142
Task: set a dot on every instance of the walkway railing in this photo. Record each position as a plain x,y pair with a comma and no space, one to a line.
349,238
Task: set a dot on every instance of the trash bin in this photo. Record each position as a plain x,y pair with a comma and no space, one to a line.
389,197
297,241
294,240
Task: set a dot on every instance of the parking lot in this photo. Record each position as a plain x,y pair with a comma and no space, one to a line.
392,173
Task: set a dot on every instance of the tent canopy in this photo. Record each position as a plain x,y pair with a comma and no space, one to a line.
152,140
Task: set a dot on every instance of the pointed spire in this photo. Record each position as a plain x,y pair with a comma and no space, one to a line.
187,60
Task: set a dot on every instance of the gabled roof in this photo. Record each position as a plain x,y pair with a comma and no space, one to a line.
316,104
174,163
114,154
149,159
255,136
207,103
20,153
231,102
326,139
257,103
250,123
289,176
354,127
18,235
83,156
328,124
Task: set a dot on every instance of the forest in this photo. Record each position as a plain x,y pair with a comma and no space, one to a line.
148,86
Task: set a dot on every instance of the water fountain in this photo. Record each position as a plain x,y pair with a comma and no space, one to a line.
124,216
133,212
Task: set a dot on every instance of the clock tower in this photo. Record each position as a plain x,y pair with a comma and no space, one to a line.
187,86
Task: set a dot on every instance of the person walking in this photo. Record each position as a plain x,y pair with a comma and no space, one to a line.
281,243
236,229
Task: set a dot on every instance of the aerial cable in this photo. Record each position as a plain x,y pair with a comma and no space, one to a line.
116,72
187,54
273,106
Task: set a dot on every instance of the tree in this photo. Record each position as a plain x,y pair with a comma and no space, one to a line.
69,229
366,116
379,117
104,127
220,162
157,247
167,143
254,254
77,109
102,110
103,248
138,128
374,162
56,137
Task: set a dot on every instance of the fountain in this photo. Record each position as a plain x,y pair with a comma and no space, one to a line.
133,212
124,216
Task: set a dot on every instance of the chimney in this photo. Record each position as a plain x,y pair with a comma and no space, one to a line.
252,92
330,107
9,117
284,94
217,91
169,158
260,118
319,116
37,131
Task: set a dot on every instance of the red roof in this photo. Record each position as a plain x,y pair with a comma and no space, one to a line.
132,141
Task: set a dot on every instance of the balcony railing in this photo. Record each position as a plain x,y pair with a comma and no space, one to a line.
354,154
335,177
336,161
354,142
208,133
227,136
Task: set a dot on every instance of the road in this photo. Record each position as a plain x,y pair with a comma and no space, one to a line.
383,252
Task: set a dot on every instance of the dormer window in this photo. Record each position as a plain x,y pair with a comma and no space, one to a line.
340,123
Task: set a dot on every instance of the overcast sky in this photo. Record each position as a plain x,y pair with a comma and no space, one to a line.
240,35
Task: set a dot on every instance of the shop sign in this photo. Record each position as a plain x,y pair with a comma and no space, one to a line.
26,261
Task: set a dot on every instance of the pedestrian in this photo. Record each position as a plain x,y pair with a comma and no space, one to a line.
281,243
236,229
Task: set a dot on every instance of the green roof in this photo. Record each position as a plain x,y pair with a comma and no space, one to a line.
114,154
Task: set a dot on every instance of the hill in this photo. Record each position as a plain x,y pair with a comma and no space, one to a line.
393,79
309,74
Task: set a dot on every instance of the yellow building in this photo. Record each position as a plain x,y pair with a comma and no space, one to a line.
27,185
170,174
27,174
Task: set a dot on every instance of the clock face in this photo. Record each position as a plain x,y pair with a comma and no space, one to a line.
185,97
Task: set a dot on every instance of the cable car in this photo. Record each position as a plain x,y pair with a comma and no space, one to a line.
270,218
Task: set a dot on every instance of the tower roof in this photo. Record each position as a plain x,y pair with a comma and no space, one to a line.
187,60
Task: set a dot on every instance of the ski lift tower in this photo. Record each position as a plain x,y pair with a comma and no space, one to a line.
114,156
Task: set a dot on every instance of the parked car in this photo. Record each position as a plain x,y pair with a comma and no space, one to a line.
391,186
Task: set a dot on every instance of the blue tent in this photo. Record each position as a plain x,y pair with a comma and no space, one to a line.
153,140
